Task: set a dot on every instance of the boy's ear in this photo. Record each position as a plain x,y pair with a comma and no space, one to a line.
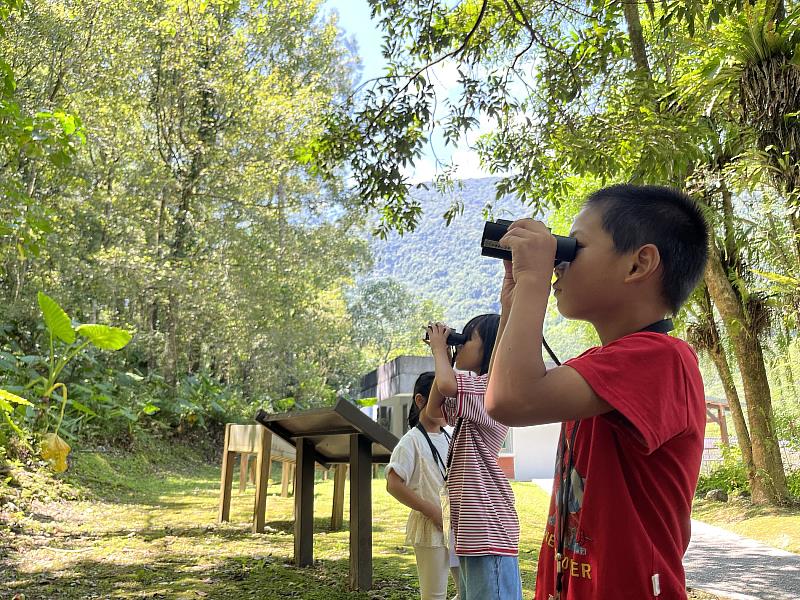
645,262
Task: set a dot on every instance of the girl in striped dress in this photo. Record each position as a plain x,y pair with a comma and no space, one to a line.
481,503
414,476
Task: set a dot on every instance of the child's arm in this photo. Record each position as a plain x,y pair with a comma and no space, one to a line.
444,383
506,297
398,488
521,391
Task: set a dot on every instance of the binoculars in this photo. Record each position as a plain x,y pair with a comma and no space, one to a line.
453,338
566,247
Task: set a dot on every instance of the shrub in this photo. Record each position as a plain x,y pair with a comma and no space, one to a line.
793,481
730,475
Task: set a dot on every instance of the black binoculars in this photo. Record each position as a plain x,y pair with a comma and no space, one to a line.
453,338
566,247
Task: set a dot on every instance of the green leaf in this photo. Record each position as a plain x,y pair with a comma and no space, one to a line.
790,282
82,408
9,397
367,401
150,409
105,337
56,319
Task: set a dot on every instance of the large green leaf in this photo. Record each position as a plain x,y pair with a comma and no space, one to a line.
6,398
105,337
56,319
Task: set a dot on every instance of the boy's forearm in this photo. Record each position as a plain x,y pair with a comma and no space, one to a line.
518,363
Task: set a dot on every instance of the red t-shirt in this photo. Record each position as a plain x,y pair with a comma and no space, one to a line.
634,474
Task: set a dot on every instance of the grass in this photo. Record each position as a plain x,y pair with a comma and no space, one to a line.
144,525
777,527
147,529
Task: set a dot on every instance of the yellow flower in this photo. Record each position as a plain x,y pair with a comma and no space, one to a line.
54,451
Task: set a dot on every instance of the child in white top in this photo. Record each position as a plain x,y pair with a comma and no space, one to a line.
414,476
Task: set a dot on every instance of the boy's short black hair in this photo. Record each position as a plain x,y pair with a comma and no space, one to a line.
635,215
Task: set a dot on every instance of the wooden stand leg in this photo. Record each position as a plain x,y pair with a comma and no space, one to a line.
360,513
244,459
263,463
226,480
285,479
723,426
304,504
337,515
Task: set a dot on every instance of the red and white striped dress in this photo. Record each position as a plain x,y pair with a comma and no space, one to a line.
482,512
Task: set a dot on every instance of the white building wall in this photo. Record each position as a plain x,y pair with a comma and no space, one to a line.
534,451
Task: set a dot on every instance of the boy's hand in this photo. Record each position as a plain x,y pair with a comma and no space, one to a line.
533,250
437,336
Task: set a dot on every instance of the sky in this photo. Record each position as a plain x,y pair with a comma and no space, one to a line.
355,21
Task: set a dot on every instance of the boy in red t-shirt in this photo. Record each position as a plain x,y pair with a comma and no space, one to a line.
633,408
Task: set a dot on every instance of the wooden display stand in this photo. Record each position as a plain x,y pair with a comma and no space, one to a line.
254,441
340,435
246,440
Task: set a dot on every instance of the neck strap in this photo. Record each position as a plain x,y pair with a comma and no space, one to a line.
662,326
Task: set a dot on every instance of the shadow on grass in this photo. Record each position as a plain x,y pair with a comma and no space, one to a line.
179,576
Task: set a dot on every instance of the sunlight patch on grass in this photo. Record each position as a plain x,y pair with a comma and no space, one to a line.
777,527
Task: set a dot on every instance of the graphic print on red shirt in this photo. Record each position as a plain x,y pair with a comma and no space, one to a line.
634,474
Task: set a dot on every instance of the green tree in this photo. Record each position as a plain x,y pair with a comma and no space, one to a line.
187,216
594,90
389,320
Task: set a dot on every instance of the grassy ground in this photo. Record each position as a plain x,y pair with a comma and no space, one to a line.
145,528
778,527
148,530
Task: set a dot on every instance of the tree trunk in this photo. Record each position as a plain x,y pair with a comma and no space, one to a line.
770,480
638,47
717,353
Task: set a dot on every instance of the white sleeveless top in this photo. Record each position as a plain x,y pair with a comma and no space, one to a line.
414,463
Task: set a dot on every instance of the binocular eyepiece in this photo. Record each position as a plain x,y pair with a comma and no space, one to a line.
566,247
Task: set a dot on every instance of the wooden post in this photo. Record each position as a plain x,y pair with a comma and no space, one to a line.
263,464
244,459
360,512
304,504
292,478
723,426
284,479
337,515
226,480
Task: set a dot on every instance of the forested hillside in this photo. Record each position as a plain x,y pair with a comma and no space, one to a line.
444,263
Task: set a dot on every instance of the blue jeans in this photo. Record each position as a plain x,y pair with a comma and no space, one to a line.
490,577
